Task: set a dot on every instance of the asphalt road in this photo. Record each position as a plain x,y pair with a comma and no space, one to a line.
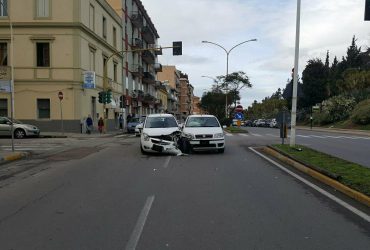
111,197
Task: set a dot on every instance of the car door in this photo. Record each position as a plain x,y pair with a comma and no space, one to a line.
4,126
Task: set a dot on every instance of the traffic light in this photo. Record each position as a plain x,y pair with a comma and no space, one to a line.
122,101
108,96
101,97
177,48
367,10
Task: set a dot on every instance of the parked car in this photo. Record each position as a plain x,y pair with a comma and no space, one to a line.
248,123
260,123
159,133
273,123
138,129
20,129
203,132
131,125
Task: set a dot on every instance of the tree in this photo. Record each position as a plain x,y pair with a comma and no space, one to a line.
353,59
288,93
213,103
314,86
235,82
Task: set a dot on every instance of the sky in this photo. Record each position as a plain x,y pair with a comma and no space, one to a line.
325,26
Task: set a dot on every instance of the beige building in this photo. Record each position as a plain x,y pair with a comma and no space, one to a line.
171,77
55,44
186,96
196,107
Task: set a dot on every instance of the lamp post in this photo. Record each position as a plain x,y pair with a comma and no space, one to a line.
214,80
12,73
295,77
227,63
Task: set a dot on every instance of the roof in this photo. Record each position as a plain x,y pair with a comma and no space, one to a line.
160,115
201,116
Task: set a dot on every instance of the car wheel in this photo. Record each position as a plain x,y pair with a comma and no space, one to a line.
19,133
221,150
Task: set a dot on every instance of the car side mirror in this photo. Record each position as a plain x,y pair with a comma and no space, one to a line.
9,123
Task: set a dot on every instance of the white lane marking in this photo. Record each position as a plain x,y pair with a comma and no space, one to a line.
255,134
273,135
304,136
322,191
244,135
135,236
318,136
167,162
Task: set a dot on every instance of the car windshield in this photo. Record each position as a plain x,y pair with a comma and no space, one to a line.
160,122
202,122
134,120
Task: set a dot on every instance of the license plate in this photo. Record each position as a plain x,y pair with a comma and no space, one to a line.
204,142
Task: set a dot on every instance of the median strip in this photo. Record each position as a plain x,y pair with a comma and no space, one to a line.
349,178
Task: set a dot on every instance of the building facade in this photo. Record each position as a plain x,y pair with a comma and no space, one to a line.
196,107
56,43
186,96
140,64
170,76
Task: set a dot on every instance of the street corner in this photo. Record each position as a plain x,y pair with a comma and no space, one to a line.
8,157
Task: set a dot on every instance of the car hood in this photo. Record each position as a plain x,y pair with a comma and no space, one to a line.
202,130
159,131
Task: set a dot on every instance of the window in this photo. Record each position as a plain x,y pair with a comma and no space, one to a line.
92,59
3,7
104,27
92,17
115,72
3,54
114,37
43,108
43,54
3,107
42,8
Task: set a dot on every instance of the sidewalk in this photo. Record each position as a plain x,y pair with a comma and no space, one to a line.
8,156
337,130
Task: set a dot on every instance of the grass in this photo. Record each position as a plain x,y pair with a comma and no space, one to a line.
235,130
352,175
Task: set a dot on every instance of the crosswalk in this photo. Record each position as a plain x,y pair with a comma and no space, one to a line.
301,136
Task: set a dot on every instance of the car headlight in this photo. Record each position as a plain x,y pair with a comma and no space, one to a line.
188,136
219,135
146,137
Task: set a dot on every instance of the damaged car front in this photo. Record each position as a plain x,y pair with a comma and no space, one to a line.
160,134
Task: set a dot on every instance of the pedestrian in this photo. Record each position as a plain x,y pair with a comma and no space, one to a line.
89,124
120,120
100,125
129,116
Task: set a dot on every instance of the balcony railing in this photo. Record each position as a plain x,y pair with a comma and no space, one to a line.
137,19
137,43
148,98
137,94
148,57
148,78
137,70
148,35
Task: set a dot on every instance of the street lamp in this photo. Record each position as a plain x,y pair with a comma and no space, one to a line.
227,62
12,73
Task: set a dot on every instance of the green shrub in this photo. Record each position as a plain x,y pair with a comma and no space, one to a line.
338,108
361,113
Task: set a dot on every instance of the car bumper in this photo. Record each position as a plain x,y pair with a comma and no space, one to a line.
203,145
157,146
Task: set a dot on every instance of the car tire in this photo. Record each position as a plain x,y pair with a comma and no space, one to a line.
221,150
19,133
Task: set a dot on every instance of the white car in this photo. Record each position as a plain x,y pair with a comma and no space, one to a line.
203,132
138,129
158,134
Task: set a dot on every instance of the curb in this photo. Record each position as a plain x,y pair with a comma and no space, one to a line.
364,199
336,130
14,157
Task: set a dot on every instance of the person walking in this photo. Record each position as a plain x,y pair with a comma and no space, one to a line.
100,125
89,124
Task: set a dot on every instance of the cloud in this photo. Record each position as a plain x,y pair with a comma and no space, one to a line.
325,25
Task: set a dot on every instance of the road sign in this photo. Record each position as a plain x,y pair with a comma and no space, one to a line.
239,116
89,80
60,95
239,108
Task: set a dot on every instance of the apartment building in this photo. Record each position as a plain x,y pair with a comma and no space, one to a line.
196,107
170,76
186,96
140,66
56,44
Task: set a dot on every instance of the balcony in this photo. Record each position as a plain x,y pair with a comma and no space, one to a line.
137,70
137,94
148,57
157,84
148,98
148,78
148,35
158,67
137,43
137,19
